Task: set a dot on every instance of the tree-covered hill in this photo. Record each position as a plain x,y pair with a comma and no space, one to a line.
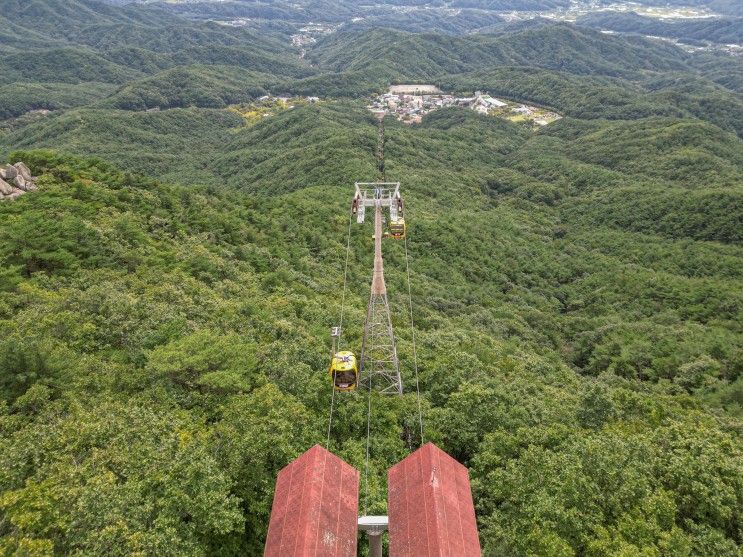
723,70
62,19
184,86
724,31
21,97
458,17
730,7
560,47
149,142
450,22
11,39
63,65
687,153
90,25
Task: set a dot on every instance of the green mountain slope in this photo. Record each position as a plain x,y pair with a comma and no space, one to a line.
63,65
18,98
457,22
721,69
566,48
79,33
63,18
173,37
11,39
183,86
687,153
586,97
722,31
149,142
678,94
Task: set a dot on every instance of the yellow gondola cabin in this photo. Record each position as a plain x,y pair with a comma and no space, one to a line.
398,229
344,371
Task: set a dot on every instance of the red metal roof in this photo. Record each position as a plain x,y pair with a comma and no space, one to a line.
431,513
315,508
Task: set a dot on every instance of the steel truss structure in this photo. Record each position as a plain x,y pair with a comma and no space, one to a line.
380,367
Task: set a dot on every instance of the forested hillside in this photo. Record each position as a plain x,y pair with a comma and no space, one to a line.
166,295
455,17
556,46
730,7
715,30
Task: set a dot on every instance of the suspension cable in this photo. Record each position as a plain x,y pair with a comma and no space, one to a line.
332,406
340,326
368,423
345,279
412,334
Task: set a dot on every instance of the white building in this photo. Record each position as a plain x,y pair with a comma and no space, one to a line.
490,102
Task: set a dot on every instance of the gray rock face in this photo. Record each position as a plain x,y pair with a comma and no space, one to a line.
21,183
8,172
5,188
15,181
23,171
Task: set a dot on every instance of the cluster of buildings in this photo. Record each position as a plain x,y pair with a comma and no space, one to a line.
301,40
307,35
412,104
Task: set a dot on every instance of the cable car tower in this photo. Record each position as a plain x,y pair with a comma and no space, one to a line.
379,363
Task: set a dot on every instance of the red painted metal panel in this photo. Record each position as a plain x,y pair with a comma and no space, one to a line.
430,507
315,508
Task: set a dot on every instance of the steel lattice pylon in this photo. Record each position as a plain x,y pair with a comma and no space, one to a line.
379,364
380,367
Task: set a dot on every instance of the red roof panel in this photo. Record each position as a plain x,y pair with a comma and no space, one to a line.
315,508
431,512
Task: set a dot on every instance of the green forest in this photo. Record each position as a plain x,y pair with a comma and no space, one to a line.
167,294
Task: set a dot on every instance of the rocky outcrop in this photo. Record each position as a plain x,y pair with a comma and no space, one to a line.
15,180
8,173
5,188
23,171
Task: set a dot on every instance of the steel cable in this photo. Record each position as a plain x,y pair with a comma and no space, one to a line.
412,334
340,327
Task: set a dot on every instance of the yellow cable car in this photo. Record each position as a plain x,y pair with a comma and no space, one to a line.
344,371
398,229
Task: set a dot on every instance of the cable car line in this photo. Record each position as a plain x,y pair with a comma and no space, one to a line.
378,367
368,444
412,336
330,420
345,279
339,335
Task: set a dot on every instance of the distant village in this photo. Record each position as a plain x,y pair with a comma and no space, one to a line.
410,103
